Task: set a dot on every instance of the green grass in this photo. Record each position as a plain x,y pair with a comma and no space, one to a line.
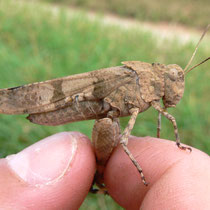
36,45
190,12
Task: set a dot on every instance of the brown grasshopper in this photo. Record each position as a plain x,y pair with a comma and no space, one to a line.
104,95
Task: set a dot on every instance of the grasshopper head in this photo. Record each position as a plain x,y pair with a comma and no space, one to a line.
174,78
174,85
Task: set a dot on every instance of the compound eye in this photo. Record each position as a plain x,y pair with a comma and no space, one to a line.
173,74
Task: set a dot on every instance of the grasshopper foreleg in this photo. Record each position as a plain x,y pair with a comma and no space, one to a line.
157,106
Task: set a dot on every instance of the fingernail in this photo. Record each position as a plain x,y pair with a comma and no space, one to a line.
46,161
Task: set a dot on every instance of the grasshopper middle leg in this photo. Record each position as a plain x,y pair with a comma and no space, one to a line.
124,141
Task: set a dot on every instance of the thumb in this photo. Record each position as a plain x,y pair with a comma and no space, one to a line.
55,173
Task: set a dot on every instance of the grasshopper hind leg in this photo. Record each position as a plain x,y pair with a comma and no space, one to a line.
101,188
105,137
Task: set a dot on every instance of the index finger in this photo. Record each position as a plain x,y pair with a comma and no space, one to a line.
171,173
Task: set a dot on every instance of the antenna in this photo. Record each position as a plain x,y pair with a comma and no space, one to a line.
197,65
196,48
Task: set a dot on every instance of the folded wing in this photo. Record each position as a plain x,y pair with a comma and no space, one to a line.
58,93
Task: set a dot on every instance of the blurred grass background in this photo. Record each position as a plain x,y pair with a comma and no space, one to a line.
187,12
37,44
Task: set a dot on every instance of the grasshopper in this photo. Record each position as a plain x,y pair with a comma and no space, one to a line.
104,95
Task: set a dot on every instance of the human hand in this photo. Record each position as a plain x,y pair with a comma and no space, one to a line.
177,179
52,174
57,172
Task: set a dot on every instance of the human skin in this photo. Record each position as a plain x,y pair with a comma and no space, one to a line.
57,172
